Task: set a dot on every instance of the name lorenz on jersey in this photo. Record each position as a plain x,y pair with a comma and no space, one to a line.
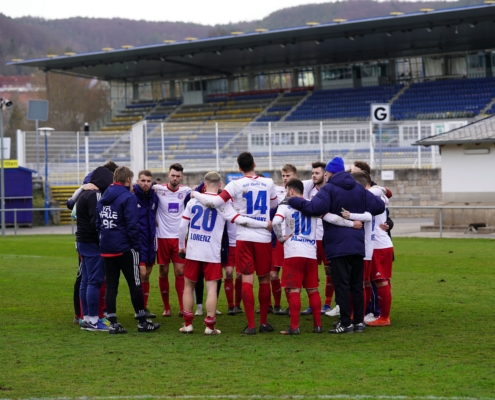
170,209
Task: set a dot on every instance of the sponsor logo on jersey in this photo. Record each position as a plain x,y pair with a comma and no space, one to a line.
173,208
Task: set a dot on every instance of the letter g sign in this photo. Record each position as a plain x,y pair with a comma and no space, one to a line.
380,113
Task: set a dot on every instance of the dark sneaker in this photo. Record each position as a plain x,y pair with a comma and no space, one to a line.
149,314
317,329
359,328
285,312
342,329
270,310
290,331
148,326
266,328
238,310
307,311
277,310
83,325
249,331
231,311
116,328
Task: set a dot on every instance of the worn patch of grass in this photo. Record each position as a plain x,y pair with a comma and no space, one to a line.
441,341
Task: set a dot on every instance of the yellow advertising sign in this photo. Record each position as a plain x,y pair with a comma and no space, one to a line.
10,164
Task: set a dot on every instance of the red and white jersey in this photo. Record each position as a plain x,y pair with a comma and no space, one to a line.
310,191
232,232
380,238
251,196
170,209
302,243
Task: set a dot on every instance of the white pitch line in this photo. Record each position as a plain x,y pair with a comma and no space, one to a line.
267,397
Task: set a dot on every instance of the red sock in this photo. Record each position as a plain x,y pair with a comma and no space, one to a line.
229,291
248,300
179,287
385,300
188,317
164,291
210,322
295,309
277,292
367,297
315,304
101,308
238,291
264,297
287,295
329,290
146,292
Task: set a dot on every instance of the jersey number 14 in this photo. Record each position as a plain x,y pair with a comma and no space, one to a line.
258,205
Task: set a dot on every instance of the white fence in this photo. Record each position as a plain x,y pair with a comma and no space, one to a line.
215,146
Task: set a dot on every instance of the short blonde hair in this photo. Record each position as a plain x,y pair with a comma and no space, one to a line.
212,177
121,175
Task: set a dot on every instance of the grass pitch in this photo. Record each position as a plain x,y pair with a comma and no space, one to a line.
441,342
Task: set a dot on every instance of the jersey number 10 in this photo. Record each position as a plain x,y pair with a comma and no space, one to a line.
302,224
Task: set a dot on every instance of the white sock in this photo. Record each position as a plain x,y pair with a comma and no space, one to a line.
86,318
93,320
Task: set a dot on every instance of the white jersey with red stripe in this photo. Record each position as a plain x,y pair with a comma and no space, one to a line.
310,191
170,210
232,232
281,193
302,243
251,196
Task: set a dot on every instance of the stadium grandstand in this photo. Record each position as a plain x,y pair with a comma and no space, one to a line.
298,94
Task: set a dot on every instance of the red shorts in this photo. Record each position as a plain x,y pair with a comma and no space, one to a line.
300,272
366,270
320,253
277,256
143,264
251,257
168,250
381,263
231,258
211,271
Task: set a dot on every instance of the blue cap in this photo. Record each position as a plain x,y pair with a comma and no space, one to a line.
335,165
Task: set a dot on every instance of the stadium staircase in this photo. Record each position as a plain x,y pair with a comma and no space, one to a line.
301,100
282,105
61,194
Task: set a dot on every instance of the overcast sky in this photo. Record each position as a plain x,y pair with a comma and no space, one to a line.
207,12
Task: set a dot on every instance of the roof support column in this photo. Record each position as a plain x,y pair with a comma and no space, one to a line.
171,85
135,91
251,82
231,84
391,70
295,77
317,78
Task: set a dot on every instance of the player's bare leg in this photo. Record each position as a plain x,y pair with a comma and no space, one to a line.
164,289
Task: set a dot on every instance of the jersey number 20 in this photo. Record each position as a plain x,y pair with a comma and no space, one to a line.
209,218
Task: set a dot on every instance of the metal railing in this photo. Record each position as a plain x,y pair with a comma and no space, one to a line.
49,209
439,208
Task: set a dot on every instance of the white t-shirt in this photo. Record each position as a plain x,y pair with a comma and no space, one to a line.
310,191
206,227
170,209
369,226
303,241
251,196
